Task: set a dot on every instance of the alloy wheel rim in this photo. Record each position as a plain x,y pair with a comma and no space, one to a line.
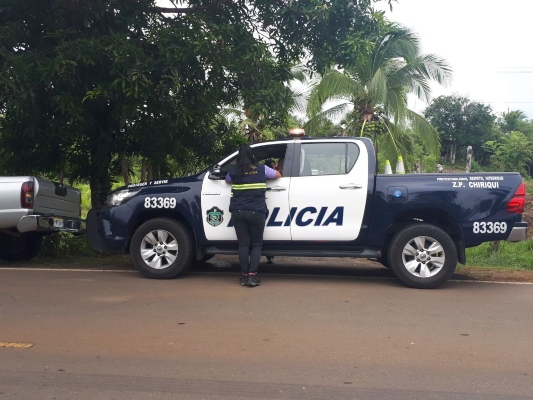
159,249
423,257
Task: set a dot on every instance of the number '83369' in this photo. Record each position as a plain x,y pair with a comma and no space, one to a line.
490,227
159,202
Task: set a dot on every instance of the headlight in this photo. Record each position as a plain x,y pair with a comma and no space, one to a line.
118,197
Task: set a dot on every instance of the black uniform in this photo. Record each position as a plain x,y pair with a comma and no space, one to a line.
248,212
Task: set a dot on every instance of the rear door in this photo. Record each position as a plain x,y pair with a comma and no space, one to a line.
328,191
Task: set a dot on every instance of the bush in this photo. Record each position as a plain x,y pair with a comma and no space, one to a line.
476,167
64,244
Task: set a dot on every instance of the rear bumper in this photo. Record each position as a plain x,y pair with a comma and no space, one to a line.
518,233
41,223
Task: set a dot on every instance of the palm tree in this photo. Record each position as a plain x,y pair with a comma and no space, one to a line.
371,95
512,121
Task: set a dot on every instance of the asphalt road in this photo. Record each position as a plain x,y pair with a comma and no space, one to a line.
307,333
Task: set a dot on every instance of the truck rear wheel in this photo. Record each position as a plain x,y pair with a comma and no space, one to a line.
161,248
20,248
422,256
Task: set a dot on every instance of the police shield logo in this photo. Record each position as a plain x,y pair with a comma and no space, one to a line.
214,216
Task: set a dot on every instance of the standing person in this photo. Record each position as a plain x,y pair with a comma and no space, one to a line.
248,210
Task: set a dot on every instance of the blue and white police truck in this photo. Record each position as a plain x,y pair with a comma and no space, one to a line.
329,202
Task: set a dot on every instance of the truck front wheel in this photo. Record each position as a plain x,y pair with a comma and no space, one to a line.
20,248
422,256
161,248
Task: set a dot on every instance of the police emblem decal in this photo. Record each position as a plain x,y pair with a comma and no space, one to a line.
215,216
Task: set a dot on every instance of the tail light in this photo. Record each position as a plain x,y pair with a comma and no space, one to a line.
517,204
26,195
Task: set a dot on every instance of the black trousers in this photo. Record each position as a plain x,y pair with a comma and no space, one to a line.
249,227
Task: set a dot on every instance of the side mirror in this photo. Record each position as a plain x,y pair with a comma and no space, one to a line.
216,174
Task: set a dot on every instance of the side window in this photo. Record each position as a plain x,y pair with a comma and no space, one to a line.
270,155
327,158
227,166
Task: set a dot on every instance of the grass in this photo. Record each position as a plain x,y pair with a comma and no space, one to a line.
511,256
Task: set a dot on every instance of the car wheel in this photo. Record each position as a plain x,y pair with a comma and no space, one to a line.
161,248
422,256
20,248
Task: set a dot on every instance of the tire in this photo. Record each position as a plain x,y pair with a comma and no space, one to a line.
20,248
422,256
161,248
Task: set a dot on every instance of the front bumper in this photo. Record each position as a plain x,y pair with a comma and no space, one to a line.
518,233
99,233
42,223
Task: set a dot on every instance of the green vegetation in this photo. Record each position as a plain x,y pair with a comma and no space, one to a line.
371,93
518,256
91,85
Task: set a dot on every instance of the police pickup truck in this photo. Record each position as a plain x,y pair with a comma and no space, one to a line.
32,207
329,202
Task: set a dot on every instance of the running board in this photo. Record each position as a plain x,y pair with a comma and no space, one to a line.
364,253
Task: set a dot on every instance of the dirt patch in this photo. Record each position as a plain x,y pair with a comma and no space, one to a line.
493,275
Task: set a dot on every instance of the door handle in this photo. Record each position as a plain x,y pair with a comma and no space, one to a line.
276,188
351,186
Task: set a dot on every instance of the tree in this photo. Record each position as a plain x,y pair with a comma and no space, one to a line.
371,93
460,123
84,82
510,152
515,121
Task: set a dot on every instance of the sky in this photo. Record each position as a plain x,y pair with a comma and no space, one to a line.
487,43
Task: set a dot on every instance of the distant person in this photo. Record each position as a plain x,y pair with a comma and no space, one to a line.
248,210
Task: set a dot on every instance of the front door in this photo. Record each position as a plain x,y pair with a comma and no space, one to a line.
216,195
328,193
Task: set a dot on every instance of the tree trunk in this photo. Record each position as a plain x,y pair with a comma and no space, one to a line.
100,180
99,191
143,170
453,150
124,169
468,159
